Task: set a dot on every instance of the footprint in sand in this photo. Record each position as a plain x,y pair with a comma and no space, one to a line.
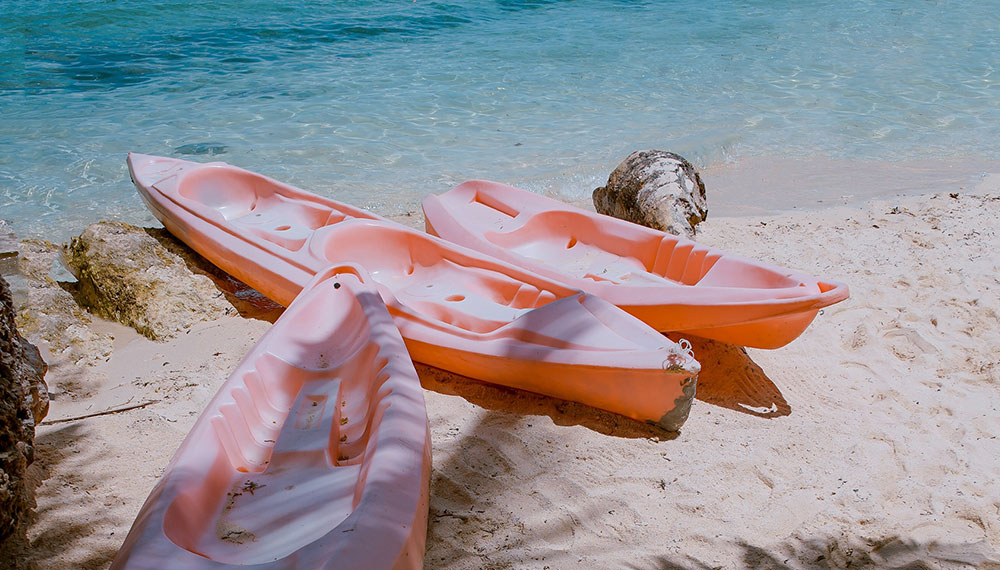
906,343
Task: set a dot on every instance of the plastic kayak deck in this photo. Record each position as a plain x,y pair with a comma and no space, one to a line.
456,309
315,453
671,283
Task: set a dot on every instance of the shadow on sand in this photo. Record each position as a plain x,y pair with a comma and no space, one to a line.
513,401
730,379
60,534
467,488
844,552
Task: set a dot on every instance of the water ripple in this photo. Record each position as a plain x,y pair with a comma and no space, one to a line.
382,102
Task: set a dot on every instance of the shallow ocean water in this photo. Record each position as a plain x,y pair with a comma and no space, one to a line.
380,103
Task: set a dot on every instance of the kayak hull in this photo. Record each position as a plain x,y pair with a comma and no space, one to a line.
315,448
456,309
671,283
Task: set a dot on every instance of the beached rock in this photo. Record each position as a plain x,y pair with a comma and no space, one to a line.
657,189
21,359
8,241
127,275
23,403
247,301
48,313
8,249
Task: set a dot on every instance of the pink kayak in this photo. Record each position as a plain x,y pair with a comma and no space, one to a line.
315,453
456,309
671,283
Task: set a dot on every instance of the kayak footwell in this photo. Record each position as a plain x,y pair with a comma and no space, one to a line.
671,283
276,501
315,449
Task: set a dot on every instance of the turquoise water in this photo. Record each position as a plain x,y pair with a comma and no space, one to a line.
380,103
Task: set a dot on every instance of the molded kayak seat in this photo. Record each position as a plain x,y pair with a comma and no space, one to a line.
456,309
314,450
671,283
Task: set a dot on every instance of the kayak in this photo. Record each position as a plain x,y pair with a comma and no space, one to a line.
671,283
229,215
456,309
315,449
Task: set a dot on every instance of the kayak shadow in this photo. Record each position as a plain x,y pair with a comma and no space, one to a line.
513,401
248,302
730,379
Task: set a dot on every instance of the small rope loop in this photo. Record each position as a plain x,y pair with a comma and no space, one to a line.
686,347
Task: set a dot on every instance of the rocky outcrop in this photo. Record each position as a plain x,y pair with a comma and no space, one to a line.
8,250
23,403
126,275
49,314
657,189
247,301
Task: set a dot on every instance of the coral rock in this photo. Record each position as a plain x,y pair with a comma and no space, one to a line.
49,313
127,275
8,241
23,403
656,189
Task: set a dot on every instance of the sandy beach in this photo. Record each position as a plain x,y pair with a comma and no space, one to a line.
871,441
855,141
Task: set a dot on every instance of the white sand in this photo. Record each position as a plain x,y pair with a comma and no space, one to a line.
872,440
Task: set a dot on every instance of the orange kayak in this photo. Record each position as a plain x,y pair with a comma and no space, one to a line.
315,453
456,309
671,283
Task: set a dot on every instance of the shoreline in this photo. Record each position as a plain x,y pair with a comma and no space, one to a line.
747,186
773,185
870,440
